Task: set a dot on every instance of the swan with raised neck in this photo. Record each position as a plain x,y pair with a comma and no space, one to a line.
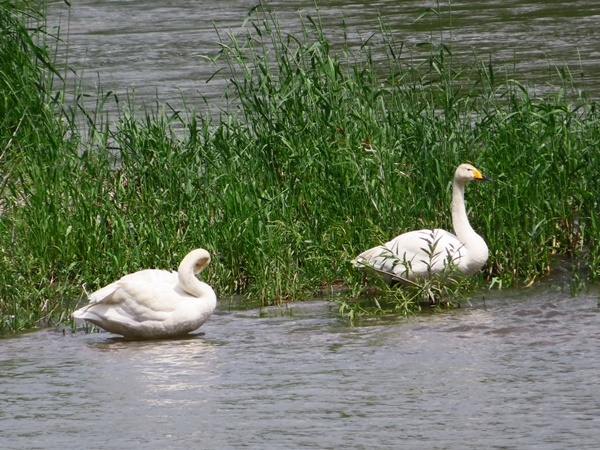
421,253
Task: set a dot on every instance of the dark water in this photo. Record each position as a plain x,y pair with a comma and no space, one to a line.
156,48
513,370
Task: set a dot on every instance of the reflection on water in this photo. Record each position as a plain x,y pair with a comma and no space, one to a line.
514,370
174,372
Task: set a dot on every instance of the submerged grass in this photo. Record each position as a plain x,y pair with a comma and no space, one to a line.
322,154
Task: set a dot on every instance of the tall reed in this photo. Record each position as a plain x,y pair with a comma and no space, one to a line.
35,164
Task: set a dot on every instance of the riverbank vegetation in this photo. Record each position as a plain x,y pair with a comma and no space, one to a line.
322,154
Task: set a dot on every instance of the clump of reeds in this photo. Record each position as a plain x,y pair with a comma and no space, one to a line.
321,155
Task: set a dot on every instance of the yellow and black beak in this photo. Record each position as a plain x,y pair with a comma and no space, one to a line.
480,177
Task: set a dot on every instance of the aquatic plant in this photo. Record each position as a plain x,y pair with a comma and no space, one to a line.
35,165
322,153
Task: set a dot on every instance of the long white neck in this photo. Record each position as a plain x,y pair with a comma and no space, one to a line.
473,243
192,264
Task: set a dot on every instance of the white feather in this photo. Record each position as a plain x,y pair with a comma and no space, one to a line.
421,253
153,303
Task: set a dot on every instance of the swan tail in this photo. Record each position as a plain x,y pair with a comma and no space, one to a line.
85,313
376,257
103,294
80,313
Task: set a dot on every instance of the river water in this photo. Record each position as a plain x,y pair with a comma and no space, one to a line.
156,47
513,370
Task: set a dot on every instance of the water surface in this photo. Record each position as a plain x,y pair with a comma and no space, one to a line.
156,49
514,370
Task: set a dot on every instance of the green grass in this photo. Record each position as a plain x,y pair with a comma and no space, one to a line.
321,156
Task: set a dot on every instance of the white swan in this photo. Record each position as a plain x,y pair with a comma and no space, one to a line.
152,303
421,253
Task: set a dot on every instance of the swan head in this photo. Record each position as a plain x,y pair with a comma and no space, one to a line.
197,259
466,172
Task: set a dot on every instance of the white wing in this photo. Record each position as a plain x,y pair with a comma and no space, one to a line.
414,254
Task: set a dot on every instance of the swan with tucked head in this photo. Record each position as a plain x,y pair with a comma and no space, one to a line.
152,304
421,253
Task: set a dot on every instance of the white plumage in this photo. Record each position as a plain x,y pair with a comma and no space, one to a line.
152,304
421,253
